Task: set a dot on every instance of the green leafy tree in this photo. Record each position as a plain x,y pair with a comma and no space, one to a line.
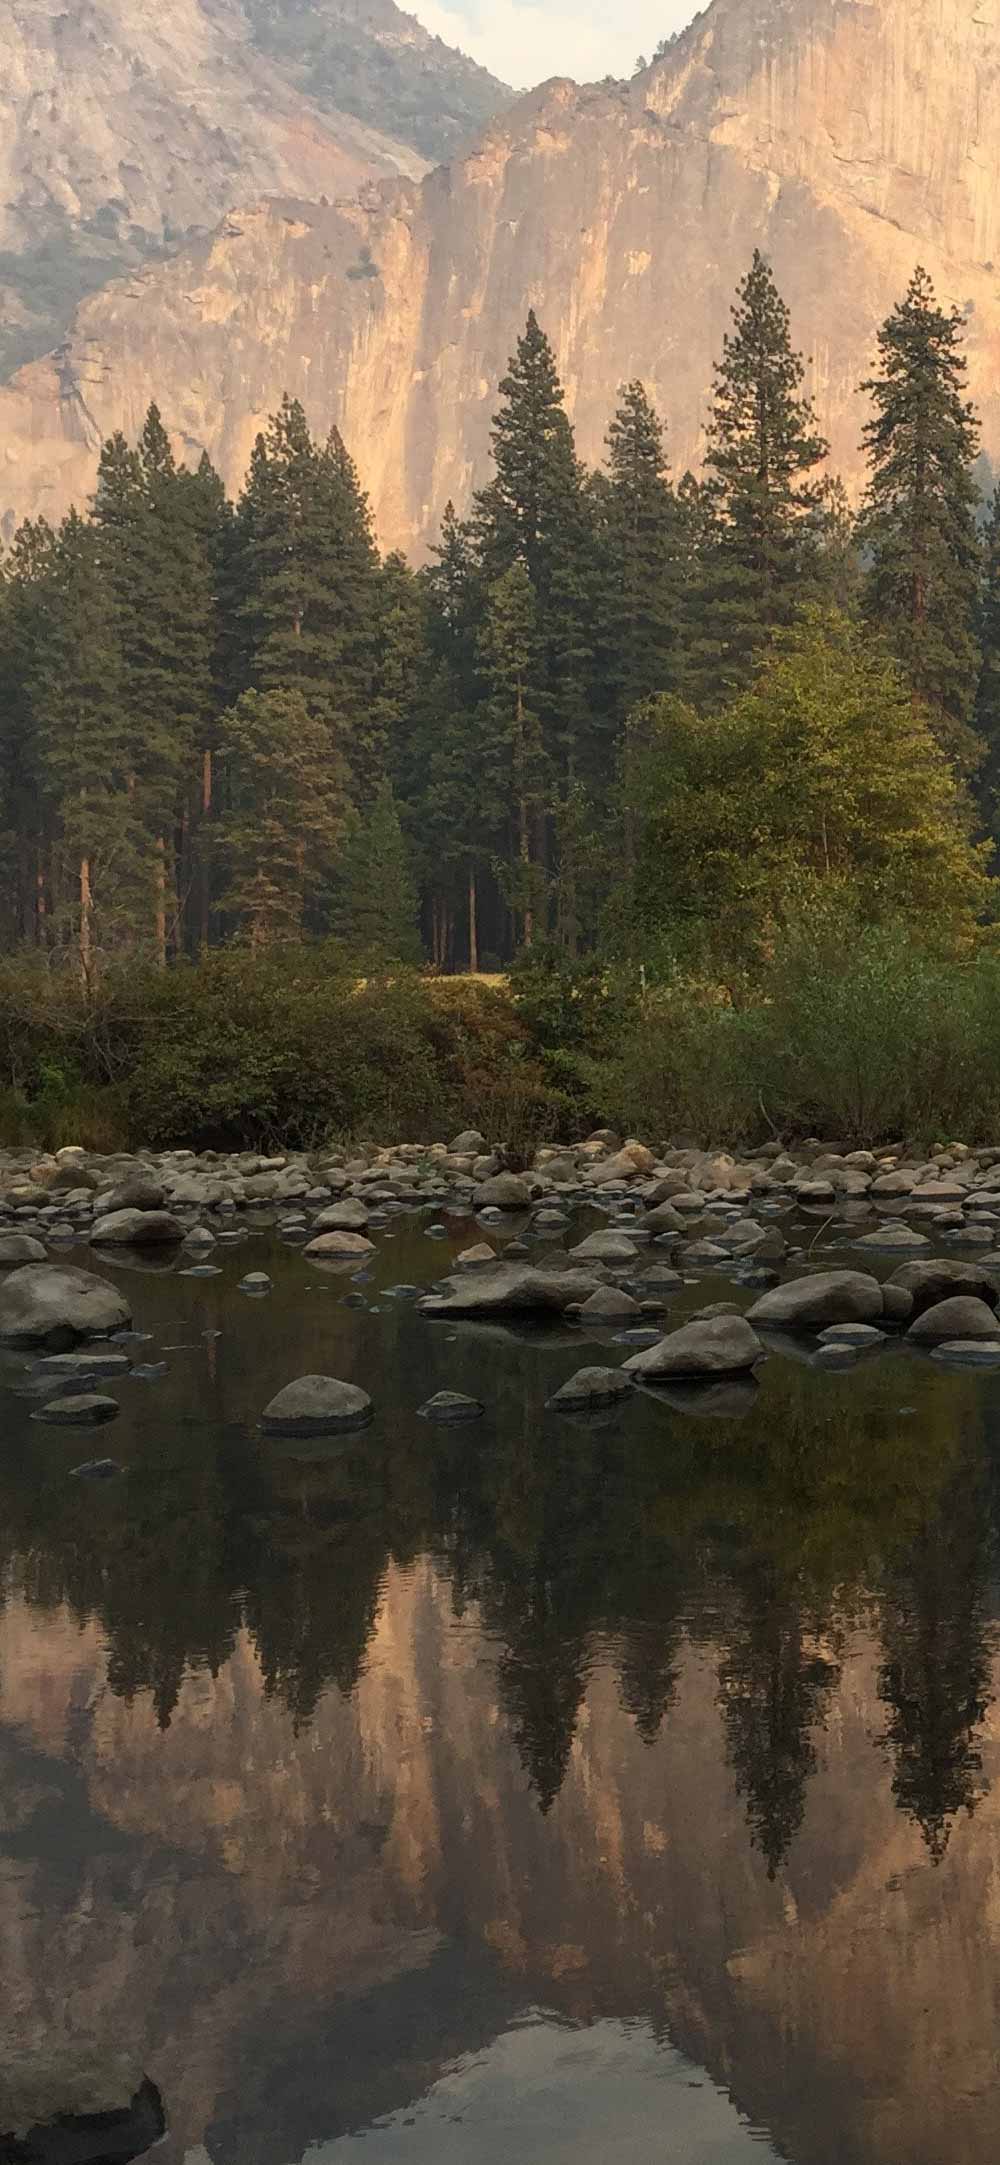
760,494
286,805
919,514
822,783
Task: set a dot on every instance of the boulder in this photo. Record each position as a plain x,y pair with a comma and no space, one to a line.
346,1217
609,1305
62,2103
969,1352
605,1248
451,1406
514,1289
857,1335
960,1317
83,1409
96,1361
722,1346
138,1191
46,1301
811,1303
469,1144
590,1389
506,1191
339,1247
136,1229
894,1239
316,1406
663,1218
16,1248
940,1279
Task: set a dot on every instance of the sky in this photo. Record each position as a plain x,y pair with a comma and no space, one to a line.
524,41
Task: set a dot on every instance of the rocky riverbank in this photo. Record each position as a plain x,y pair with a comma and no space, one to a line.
924,1236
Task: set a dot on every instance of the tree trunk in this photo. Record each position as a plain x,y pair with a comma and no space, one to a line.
206,870
41,902
524,850
160,905
473,922
86,923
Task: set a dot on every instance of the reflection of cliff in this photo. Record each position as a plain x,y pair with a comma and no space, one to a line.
255,1910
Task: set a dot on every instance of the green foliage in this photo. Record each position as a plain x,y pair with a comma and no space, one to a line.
823,780
919,522
284,817
760,497
376,908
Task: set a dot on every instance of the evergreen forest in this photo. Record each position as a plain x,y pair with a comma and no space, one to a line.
627,730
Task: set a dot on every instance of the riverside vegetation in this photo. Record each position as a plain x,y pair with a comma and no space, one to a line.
708,769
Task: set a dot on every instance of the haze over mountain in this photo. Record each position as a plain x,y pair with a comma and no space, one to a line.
126,128
847,138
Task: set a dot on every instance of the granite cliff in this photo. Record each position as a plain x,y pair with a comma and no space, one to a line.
848,138
125,129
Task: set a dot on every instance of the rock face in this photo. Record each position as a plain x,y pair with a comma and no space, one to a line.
69,2104
42,1304
837,135
124,128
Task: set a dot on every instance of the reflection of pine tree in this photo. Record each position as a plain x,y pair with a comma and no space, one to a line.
935,1678
773,1690
542,1681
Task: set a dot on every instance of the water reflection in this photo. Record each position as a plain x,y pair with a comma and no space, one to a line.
322,1762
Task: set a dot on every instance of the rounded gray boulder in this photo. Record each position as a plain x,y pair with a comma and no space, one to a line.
47,1301
722,1346
958,1318
813,1302
590,1389
316,1406
137,1229
16,1248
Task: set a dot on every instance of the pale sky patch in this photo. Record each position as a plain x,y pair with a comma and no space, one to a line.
526,41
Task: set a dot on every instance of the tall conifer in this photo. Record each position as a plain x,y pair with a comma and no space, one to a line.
760,494
919,515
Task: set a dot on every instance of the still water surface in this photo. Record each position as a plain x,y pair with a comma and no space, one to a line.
624,1793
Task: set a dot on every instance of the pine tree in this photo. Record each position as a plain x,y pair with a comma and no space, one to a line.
308,568
85,757
24,599
509,646
760,494
286,805
987,710
641,542
376,911
534,513
919,514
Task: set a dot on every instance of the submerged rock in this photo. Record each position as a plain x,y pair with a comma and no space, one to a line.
513,1290
941,1279
591,1388
722,1346
137,1229
506,1191
340,1247
85,1409
451,1406
316,1406
809,1304
48,1301
18,1248
958,1318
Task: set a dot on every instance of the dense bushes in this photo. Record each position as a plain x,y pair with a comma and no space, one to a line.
856,1033
285,1049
